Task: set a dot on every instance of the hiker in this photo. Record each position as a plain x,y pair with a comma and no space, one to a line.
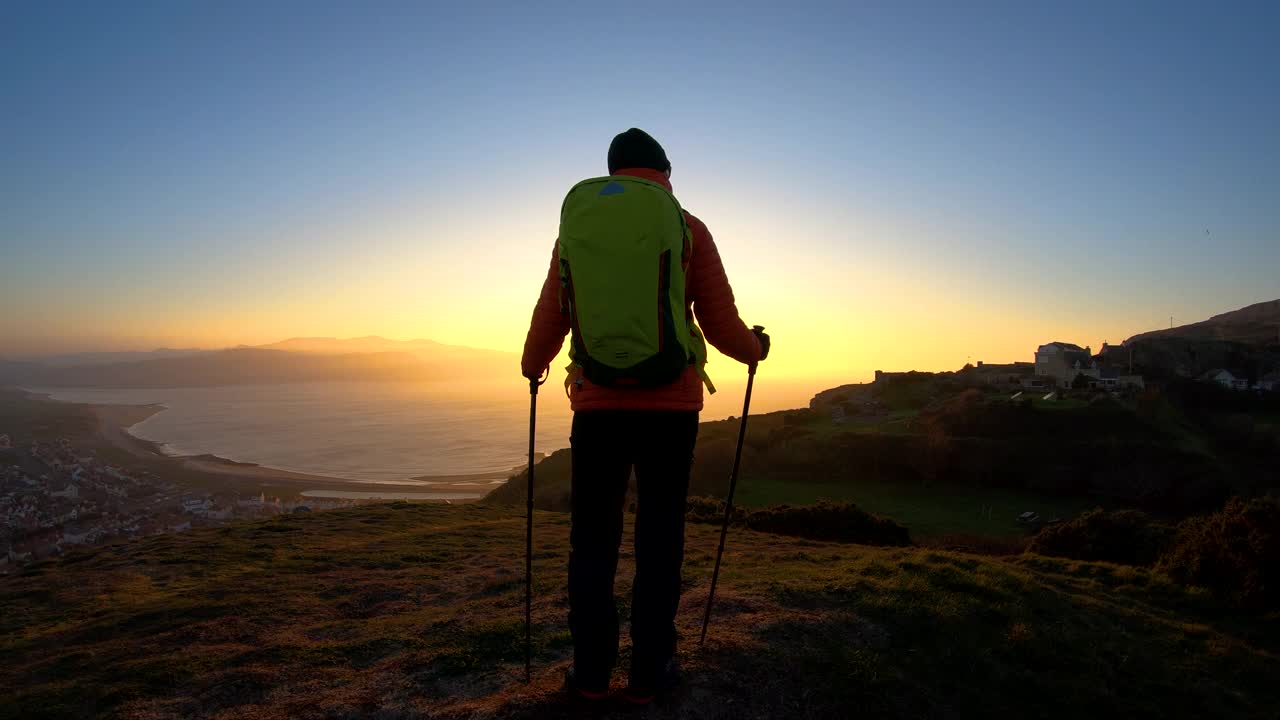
636,388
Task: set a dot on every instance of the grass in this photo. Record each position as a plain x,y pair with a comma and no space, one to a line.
932,510
25,417
401,610
1038,402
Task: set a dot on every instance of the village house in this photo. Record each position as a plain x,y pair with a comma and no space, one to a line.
1112,379
1059,364
1008,374
1063,361
81,501
219,512
1039,382
1226,379
1270,382
251,501
78,535
70,492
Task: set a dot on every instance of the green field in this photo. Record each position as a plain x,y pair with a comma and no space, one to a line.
926,510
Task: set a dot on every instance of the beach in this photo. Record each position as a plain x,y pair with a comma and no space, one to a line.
376,433
114,421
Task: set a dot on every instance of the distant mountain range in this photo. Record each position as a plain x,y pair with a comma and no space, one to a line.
367,344
106,358
293,360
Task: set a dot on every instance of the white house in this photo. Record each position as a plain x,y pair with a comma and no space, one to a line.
1226,379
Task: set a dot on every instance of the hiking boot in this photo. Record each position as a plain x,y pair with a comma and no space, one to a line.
583,691
645,687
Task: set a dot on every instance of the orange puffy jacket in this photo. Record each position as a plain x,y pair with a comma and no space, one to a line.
708,297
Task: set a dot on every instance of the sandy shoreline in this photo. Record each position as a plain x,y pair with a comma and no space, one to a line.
114,422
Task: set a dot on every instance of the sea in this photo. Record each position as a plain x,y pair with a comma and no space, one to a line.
368,432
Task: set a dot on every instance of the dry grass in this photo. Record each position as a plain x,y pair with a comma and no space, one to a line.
415,611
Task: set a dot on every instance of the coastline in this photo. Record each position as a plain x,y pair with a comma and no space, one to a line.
114,422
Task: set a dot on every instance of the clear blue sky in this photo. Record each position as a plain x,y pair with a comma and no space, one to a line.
991,175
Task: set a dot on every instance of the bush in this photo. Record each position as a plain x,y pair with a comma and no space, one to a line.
1235,553
1127,537
825,520
832,521
709,510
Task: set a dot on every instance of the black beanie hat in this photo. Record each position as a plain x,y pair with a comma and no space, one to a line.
635,148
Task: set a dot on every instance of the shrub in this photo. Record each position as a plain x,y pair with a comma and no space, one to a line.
709,510
1128,537
1234,552
825,520
832,521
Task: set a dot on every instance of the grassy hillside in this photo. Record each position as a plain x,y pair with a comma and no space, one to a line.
402,611
949,460
1257,324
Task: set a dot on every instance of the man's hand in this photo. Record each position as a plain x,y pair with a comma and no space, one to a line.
764,341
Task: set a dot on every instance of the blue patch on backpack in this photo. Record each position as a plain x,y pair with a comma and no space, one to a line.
612,188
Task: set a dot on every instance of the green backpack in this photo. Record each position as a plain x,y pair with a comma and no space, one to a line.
624,247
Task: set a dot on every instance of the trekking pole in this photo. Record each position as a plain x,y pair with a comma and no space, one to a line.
528,534
728,505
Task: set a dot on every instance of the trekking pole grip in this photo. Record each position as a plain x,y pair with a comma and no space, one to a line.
535,383
757,329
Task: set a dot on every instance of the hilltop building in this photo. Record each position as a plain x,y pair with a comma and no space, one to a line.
1062,363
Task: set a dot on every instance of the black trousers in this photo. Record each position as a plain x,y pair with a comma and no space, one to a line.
607,444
